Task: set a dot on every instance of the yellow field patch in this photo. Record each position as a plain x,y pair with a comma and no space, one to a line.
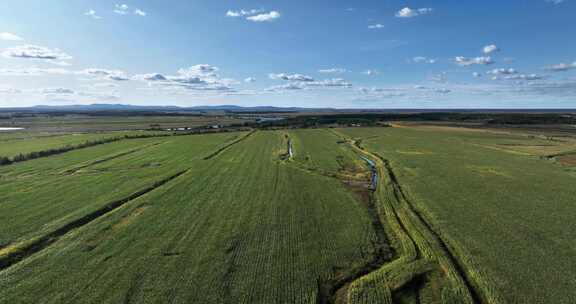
540,150
502,150
425,127
568,159
127,220
9,249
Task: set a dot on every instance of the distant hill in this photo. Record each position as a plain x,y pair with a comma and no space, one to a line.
101,108
125,107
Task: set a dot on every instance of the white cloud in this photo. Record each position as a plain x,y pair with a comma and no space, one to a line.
150,77
10,91
201,70
55,56
121,9
376,26
332,71
422,59
270,16
502,71
250,80
10,37
440,78
524,77
198,74
409,12
465,61
477,75
57,91
33,72
371,72
124,9
92,13
329,83
140,12
381,93
201,77
98,96
69,95
102,74
562,67
243,13
286,87
116,75
565,88
105,85
489,49
301,85
555,2
291,77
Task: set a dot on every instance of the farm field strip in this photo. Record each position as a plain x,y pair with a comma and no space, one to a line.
31,207
12,255
106,158
14,146
506,207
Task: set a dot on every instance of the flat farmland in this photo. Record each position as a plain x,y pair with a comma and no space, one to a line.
406,214
105,123
25,142
501,206
242,226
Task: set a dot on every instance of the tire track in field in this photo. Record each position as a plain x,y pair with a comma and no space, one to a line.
43,242
226,147
476,298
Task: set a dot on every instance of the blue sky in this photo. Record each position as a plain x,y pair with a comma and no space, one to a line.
360,54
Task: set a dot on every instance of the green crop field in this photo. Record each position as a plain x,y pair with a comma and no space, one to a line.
12,144
406,214
506,212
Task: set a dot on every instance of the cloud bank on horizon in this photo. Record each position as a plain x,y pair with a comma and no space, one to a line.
375,55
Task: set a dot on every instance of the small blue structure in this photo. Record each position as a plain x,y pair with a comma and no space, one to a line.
374,175
290,153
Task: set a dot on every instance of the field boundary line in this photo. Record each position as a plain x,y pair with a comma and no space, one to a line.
75,169
22,252
226,147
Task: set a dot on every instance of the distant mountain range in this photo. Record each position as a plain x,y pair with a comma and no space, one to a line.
99,107
125,107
